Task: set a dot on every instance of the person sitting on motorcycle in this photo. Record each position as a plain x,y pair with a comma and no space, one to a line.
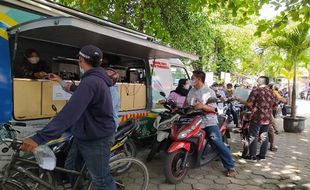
179,94
198,97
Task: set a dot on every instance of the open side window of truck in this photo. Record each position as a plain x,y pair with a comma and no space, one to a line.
58,40
178,72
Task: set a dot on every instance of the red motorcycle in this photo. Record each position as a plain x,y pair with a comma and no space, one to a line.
190,148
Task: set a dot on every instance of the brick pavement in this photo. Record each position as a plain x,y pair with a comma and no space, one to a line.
288,168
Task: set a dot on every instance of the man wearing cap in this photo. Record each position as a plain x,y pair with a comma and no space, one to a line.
89,115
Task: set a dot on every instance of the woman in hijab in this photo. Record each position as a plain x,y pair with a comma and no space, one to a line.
180,93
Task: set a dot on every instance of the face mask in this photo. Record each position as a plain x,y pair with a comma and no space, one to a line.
192,82
216,88
186,86
81,71
33,60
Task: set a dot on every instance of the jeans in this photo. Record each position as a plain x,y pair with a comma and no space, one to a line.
96,155
234,115
213,133
260,131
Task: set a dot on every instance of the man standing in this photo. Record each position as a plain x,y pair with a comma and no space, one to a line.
89,115
199,95
261,102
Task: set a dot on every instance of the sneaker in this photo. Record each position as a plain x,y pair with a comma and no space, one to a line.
273,149
231,172
259,158
250,158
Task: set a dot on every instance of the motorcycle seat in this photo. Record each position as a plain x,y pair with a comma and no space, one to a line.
125,127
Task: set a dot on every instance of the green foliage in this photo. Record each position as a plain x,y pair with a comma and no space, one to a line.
292,11
189,25
217,30
295,45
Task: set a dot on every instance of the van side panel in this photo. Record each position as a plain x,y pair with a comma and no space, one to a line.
5,79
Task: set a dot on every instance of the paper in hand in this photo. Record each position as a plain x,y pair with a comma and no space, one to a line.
242,93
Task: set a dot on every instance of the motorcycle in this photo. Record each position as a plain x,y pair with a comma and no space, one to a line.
245,133
232,110
163,124
122,147
190,148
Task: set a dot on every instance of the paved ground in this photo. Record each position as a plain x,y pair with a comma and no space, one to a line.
288,168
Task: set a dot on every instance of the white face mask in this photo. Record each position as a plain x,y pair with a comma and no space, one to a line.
81,71
186,86
192,82
33,60
216,88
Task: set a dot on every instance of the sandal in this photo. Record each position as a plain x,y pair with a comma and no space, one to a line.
231,173
273,149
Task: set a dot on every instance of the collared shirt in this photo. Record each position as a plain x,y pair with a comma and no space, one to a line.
202,95
264,101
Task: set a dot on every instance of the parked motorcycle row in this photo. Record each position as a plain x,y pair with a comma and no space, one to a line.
179,133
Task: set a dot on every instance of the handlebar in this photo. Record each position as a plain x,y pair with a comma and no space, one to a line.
8,136
13,123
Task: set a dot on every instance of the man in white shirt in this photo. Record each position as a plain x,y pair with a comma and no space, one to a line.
198,97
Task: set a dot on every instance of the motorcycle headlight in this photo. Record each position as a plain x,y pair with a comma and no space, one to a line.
184,133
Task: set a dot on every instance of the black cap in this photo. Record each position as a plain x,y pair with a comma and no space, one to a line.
92,54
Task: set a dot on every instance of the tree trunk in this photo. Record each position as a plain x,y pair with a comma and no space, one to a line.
293,114
289,94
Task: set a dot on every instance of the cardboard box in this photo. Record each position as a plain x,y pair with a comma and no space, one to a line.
139,96
27,99
47,99
126,97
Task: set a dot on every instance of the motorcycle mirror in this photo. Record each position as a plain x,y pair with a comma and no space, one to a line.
162,94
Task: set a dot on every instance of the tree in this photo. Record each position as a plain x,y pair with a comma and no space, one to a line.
296,44
292,10
181,24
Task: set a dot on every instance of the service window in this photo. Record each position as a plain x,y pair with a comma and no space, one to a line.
177,74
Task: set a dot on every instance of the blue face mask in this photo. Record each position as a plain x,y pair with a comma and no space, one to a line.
81,71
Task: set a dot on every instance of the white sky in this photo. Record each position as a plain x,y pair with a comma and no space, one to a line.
268,12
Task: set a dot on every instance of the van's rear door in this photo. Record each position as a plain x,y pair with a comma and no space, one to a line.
75,32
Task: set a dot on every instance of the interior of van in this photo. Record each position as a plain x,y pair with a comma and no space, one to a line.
58,40
33,98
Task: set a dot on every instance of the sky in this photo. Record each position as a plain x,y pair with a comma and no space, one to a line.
268,12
